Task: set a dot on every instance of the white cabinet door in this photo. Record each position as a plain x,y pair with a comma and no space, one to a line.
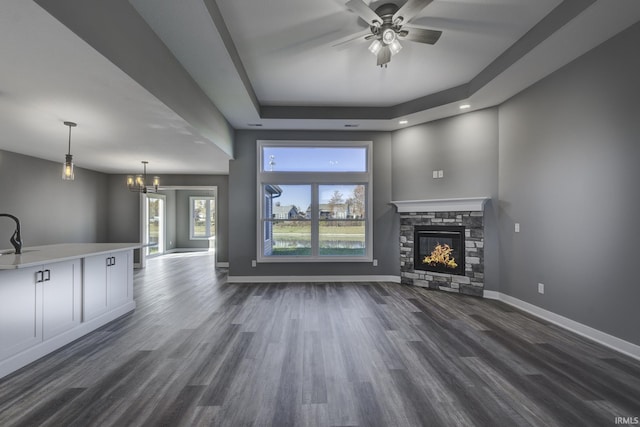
108,283
95,292
117,277
60,297
20,311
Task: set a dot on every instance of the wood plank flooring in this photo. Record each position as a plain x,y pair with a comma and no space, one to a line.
200,351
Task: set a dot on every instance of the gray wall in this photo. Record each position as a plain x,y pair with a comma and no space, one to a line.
124,209
51,210
569,173
243,214
465,147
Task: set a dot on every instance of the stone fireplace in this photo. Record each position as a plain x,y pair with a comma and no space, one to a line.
442,244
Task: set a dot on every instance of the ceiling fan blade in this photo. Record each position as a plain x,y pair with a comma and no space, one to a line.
421,35
384,56
363,11
410,9
362,35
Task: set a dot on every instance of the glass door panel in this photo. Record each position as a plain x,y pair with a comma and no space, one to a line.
155,225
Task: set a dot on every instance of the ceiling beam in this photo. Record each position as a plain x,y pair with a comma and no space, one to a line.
116,30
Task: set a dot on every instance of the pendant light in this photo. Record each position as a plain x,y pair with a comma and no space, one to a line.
67,168
138,183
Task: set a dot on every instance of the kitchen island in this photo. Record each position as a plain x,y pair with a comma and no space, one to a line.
52,295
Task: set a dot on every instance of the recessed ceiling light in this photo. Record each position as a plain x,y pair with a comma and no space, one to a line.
465,106
255,125
351,125
403,122
199,142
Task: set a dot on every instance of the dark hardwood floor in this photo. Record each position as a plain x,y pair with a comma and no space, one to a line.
200,351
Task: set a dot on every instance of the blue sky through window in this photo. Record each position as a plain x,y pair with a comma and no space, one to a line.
296,195
300,195
315,159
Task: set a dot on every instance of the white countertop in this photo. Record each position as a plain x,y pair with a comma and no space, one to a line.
38,255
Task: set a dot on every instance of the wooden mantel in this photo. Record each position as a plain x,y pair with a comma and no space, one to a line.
441,205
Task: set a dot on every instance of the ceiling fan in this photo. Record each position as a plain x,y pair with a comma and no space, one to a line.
387,25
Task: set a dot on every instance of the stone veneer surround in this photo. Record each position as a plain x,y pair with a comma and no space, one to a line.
472,283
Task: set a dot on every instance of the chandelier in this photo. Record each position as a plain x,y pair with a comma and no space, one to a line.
138,183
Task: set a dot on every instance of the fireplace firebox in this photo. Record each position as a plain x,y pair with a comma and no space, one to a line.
439,249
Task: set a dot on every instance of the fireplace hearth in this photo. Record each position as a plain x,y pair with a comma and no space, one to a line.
439,249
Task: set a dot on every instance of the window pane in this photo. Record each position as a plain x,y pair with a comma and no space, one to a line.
286,201
200,218
341,202
342,238
314,159
288,238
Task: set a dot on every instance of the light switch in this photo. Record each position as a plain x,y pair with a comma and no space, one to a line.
253,263
440,174
435,174
517,227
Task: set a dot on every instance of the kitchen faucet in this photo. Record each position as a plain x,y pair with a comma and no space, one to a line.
16,239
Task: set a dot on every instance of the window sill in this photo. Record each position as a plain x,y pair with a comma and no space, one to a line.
297,260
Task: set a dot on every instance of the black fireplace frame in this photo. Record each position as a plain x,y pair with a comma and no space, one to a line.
444,230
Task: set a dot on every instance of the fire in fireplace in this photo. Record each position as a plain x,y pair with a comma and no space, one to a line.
439,249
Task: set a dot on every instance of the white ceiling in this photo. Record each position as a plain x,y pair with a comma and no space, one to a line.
291,60
260,62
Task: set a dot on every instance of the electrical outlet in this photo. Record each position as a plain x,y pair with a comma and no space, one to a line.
435,174
441,174
517,227
253,263
541,288
375,262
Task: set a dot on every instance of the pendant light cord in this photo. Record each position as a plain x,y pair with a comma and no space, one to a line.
69,153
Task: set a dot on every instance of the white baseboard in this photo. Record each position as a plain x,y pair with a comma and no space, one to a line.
615,343
178,250
491,295
307,279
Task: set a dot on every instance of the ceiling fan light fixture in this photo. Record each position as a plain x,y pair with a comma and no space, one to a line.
375,47
395,47
388,36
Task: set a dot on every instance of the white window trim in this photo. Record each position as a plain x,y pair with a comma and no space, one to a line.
191,225
314,179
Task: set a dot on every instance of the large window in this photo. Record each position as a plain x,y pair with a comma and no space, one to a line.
314,201
203,217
